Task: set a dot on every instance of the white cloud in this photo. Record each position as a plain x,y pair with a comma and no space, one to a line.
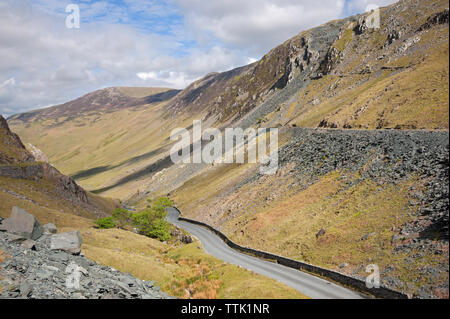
11,81
172,78
257,25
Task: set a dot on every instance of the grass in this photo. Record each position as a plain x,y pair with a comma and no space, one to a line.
344,40
107,147
184,271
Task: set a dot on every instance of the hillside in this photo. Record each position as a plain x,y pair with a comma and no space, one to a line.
182,270
39,186
100,136
99,102
363,177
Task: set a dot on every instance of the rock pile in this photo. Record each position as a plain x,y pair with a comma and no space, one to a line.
37,263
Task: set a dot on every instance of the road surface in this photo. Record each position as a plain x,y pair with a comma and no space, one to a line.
305,283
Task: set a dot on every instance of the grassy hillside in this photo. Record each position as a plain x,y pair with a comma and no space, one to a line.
338,75
185,271
39,186
377,199
98,148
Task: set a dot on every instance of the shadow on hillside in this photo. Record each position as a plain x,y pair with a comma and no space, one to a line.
439,230
152,168
157,98
101,169
90,172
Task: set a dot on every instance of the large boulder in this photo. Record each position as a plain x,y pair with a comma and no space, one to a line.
69,242
23,224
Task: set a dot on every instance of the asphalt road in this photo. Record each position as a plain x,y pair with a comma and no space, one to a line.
307,284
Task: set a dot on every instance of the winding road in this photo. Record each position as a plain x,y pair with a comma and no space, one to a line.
305,283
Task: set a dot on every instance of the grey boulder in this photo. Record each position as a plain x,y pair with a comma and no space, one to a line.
69,242
23,224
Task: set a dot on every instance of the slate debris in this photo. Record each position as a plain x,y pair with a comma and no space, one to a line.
385,157
45,268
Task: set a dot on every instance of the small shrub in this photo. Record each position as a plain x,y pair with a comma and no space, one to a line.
161,204
160,230
105,223
151,222
122,217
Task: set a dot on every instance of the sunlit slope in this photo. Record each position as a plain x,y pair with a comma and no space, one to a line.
100,146
338,75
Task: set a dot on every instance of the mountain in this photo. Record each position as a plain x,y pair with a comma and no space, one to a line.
98,102
363,171
39,186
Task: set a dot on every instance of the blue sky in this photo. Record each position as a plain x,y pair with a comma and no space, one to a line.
167,43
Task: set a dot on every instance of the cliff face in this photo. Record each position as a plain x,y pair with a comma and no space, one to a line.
343,74
12,149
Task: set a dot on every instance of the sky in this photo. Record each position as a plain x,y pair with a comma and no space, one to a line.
163,43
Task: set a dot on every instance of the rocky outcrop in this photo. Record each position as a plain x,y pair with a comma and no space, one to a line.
37,153
12,151
17,162
65,185
437,18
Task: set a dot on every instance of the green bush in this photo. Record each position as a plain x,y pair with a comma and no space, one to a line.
161,204
151,222
160,229
105,223
122,217
143,221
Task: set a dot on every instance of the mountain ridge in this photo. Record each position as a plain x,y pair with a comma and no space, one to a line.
108,99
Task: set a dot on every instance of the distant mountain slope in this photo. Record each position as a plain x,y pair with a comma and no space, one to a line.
38,186
105,132
338,75
104,100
